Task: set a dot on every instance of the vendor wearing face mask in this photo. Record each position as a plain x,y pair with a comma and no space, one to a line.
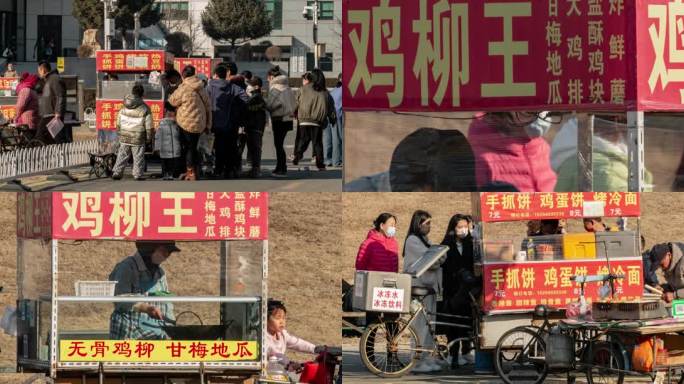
459,278
141,274
379,252
669,257
415,247
510,148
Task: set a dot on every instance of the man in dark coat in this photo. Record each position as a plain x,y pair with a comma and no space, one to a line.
52,102
228,101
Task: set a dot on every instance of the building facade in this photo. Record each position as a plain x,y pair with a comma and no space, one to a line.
39,29
292,32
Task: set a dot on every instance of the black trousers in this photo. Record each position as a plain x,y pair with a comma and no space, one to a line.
280,129
170,167
254,143
189,148
226,151
314,135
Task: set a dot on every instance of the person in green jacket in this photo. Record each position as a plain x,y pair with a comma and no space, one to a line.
610,161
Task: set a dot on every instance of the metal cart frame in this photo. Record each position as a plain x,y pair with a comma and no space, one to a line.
54,366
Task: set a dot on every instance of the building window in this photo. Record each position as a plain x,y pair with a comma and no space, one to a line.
174,10
275,8
326,10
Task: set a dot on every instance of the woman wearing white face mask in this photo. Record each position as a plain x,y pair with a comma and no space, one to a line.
415,247
379,252
458,277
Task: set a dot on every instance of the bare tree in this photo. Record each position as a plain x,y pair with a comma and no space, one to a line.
192,30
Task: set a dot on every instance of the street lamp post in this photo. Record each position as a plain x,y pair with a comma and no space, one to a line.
314,12
315,32
108,22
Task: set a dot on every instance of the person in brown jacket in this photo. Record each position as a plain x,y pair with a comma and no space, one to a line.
193,116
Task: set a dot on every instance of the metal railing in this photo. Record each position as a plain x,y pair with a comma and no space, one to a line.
34,161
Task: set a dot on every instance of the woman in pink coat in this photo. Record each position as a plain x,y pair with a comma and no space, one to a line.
27,102
510,149
379,252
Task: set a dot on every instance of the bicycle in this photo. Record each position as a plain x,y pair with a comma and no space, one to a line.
390,347
14,136
521,352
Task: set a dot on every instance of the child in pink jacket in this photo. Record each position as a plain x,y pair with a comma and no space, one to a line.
278,340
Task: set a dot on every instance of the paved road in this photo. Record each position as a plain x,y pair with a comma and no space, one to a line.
299,179
356,373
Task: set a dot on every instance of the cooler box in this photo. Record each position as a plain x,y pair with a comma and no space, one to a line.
577,246
618,244
382,292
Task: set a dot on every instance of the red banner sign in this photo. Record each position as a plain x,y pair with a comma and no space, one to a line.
203,66
160,215
130,61
522,286
445,55
561,205
157,351
33,215
8,83
9,111
106,112
661,54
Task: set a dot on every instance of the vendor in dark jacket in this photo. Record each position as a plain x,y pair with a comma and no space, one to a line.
459,282
227,101
669,257
52,102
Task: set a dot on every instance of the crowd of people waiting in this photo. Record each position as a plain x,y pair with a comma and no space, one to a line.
234,108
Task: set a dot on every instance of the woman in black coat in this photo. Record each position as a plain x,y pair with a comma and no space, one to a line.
459,281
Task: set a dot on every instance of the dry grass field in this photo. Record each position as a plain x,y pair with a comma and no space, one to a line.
304,251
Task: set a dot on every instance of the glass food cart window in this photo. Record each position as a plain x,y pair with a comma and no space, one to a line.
118,89
195,271
511,241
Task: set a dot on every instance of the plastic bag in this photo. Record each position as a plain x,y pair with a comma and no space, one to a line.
642,357
205,143
8,323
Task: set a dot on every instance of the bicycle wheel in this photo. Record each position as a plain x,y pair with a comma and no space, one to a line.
606,365
34,143
520,357
388,348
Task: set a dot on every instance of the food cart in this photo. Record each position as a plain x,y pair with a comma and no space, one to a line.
130,67
54,338
520,272
8,96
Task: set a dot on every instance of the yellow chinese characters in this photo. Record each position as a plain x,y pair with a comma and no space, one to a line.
178,212
386,27
447,52
668,17
84,210
130,210
508,48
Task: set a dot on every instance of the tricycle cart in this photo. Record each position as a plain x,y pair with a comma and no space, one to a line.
518,272
53,339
